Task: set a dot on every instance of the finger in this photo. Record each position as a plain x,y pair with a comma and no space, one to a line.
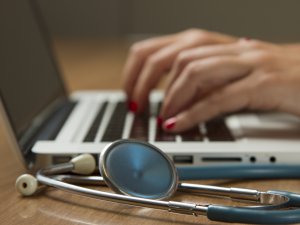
202,75
198,53
230,98
139,52
137,56
154,68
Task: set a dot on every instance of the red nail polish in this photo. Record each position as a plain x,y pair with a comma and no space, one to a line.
159,121
170,123
132,106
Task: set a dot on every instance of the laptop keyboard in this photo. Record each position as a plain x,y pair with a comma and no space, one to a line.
57,120
193,134
140,129
217,130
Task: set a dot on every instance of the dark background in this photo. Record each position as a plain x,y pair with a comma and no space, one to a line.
273,20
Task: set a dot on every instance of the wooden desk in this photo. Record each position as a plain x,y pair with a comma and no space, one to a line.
91,65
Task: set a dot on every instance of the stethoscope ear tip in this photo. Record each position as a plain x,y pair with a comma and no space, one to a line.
26,184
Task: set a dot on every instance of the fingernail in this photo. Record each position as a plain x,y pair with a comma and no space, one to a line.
159,121
132,106
170,123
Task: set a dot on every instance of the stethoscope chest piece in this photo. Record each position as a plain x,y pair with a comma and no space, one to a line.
138,169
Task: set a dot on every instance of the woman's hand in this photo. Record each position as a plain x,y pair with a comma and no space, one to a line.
209,78
149,60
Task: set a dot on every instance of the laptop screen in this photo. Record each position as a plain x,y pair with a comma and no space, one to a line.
29,80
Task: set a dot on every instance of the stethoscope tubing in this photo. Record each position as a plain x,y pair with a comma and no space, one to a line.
294,199
253,216
246,171
260,171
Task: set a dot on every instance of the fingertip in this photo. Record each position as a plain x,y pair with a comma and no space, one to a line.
132,106
141,99
179,123
170,124
138,105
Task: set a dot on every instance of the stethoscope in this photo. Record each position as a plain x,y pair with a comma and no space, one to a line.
142,175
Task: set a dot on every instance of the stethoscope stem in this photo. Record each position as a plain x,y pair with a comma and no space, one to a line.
234,193
59,168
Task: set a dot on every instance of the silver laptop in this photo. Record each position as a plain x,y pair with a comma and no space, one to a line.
45,125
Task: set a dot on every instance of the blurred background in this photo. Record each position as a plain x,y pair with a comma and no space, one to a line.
273,20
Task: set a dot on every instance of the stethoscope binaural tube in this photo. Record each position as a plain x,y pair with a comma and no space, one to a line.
260,215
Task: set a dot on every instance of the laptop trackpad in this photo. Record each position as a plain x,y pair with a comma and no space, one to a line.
275,126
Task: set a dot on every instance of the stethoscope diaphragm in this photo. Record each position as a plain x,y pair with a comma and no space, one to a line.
138,169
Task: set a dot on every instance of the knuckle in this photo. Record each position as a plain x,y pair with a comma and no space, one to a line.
197,34
153,61
264,57
192,31
256,44
137,49
204,36
182,60
192,69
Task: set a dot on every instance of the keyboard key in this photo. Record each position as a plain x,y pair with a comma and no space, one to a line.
161,135
158,106
57,120
140,127
216,130
115,126
95,125
192,135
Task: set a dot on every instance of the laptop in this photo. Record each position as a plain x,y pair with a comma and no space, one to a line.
46,125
